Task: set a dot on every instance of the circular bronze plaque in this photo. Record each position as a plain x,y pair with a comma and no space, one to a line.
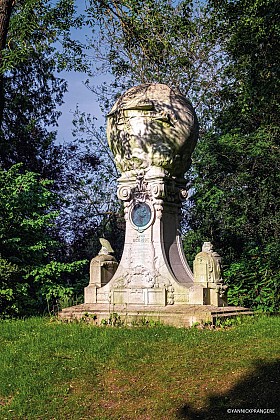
141,214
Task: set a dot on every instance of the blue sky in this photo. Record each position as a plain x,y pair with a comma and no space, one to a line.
78,94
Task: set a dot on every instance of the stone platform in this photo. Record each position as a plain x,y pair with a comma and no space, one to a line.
176,315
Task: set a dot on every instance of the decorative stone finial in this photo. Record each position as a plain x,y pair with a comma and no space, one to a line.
106,247
207,247
152,125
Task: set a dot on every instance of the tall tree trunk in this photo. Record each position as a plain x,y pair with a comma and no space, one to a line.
5,14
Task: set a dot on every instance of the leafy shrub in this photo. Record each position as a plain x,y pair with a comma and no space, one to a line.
254,281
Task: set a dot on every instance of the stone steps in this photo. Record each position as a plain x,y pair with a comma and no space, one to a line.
176,315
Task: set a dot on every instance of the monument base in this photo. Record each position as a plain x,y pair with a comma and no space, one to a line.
175,315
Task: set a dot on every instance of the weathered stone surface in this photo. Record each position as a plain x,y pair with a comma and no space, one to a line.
152,125
152,131
207,269
176,315
102,269
153,268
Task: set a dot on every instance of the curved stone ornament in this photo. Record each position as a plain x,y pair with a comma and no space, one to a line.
124,193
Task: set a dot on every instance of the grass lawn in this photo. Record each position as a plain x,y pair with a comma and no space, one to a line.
53,370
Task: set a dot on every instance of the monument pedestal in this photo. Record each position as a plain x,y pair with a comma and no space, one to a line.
152,131
153,269
176,315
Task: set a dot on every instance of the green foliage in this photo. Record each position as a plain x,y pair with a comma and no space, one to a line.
37,268
30,276
229,322
144,322
147,32
225,57
255,281
249,32
9,286
235,204
56,283
24,217
114,320
160,41
235,190
235,178
24,201
31,90
34,28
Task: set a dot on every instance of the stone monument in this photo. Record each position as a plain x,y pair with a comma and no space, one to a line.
152,131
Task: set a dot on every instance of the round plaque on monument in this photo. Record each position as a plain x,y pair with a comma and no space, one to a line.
141,215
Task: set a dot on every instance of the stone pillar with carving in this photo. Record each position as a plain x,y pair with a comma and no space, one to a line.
207,269
102,269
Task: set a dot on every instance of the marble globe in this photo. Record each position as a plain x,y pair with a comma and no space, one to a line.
152,125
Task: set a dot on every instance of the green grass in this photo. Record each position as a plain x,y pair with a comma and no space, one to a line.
52,370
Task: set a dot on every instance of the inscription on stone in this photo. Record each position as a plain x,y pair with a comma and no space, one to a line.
142,251
141,254
141,239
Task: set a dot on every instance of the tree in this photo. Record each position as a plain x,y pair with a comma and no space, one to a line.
249,32
146,41
33,27
226,59
31,91
30,275
31,94
235,202
156,41
5,14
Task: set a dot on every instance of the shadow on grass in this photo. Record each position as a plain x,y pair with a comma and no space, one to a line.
260,390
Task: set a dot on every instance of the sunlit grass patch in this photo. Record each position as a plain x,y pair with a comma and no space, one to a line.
53,370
